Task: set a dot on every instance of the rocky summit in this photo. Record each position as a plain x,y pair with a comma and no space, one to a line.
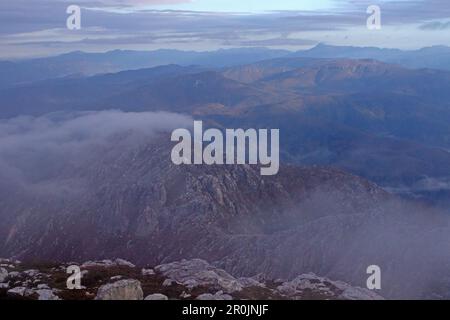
193,279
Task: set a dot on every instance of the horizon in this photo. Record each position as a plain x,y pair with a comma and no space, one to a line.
12,59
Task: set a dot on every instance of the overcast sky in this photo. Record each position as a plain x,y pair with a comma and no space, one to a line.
38,27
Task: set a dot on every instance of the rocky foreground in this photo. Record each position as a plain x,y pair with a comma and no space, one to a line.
184,280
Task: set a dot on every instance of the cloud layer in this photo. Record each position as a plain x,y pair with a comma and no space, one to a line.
35,151
39,28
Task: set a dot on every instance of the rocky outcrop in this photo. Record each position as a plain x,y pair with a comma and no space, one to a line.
196,273
46,294
193,279
313,287
217,296
108,263
121,290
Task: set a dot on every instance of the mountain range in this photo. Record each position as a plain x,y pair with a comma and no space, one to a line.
85,170
78,63
384,122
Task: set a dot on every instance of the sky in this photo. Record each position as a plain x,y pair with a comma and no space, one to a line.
30,28
243,5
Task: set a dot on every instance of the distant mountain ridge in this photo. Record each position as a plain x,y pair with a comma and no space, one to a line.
86,64
80,63
435,57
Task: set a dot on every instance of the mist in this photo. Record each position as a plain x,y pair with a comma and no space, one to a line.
332,231
41,154
329,235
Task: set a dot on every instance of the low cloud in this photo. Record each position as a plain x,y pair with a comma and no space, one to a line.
436,25
37,152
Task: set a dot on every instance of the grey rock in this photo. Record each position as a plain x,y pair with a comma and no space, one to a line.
156,296
217,296
4,285
20,291
315,287
196,272
103,263
46,294
122,262
3,274
43,286
250,282
121,290
107,263
32,273
148,272
168,282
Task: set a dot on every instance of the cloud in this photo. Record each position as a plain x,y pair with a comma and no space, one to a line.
436,25
281,41
130,23
36,151
342,229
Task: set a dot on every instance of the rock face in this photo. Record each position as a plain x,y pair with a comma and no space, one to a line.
211,212
121,290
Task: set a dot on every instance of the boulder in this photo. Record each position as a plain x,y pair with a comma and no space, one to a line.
121,290
46,294
250,282
4,285
156,296
103,263
32,273
3,274
43,286
107,263
14,274
122,262
217,296
148,272
197,272
20,291
311,286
